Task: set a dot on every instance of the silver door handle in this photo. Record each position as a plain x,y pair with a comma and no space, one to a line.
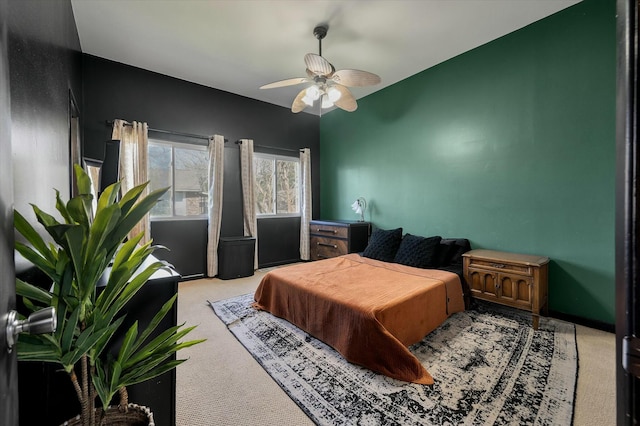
39,322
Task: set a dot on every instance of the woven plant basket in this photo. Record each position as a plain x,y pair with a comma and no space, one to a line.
137,415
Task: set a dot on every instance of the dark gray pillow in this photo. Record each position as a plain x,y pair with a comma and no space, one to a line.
419,252
383,244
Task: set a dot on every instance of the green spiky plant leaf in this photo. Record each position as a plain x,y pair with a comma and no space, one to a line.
83,247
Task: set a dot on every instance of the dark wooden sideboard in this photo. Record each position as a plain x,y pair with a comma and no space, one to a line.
331,238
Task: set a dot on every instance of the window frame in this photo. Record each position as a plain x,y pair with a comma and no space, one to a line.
275,158
173,145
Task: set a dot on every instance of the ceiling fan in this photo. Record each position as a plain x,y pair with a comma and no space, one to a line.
329,86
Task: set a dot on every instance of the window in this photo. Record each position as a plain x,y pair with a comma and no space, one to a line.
277,185
183,168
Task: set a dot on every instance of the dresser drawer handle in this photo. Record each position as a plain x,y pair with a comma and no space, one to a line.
328,231
498,265
327,245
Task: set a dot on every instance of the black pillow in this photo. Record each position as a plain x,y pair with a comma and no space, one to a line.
419,252
456,259
450,251
445,251
383,244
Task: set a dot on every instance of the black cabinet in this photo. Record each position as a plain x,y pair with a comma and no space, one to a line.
159,393
236,257
46,387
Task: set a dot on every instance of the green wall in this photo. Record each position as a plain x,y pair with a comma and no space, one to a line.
511,145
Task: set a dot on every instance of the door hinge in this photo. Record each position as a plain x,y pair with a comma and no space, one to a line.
631,355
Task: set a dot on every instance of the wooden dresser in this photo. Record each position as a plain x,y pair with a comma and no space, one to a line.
516,280
331,238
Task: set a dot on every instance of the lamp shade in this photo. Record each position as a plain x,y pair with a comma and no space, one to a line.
359,206
326,102
333,94
356,207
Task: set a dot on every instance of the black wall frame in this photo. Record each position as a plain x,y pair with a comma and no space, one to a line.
627,218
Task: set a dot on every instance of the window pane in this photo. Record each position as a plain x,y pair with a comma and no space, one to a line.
288,190
184,169
263,169
160,177
191,181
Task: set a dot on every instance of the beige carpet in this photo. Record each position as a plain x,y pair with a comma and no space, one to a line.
222,384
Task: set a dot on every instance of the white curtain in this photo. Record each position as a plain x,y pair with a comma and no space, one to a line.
305,202
248,191
134,142
216,173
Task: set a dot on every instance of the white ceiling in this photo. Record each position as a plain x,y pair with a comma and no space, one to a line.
239,45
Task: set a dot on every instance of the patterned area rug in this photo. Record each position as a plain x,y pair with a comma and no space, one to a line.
489,366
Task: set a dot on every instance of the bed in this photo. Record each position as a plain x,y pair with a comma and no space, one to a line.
369,310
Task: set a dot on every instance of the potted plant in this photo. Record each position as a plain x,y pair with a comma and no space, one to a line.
85,247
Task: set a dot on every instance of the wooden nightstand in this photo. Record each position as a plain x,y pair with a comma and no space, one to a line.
331,238
516,280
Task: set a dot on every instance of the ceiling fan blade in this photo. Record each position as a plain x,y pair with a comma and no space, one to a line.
318,65
298,104
283,83
346,102
355,78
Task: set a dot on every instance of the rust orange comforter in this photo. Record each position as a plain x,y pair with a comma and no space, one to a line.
369,311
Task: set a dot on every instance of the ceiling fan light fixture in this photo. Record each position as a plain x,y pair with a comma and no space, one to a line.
326,101
313,92
333,94
307,100
329,85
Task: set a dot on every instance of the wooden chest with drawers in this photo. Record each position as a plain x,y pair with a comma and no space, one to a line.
516,280
331,238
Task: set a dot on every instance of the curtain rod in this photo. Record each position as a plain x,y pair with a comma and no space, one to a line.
170,132
273,147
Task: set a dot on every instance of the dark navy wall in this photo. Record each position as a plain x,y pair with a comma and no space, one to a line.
44,66
113,90
8,365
